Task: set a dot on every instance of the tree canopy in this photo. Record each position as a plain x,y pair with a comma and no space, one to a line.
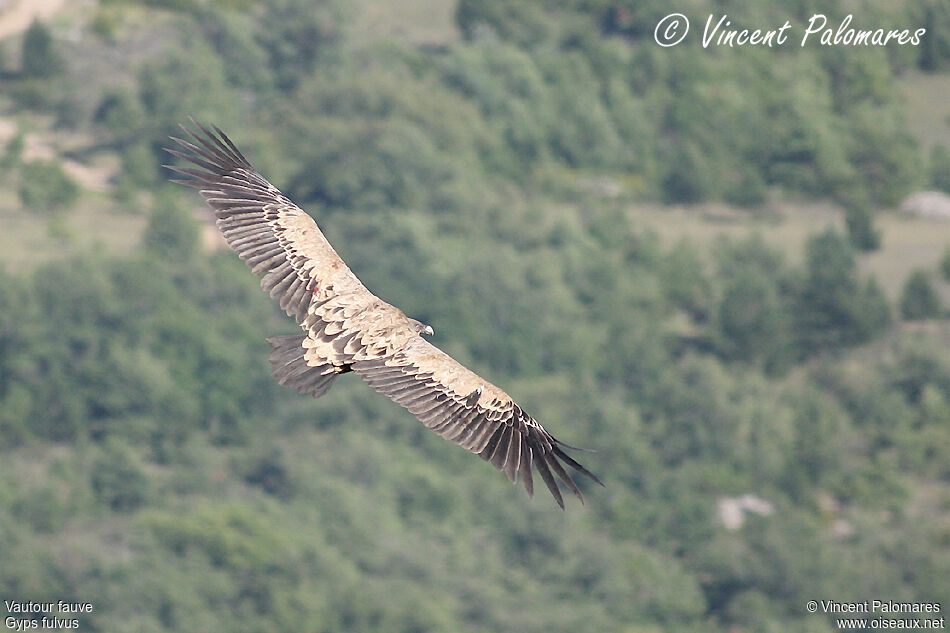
481,178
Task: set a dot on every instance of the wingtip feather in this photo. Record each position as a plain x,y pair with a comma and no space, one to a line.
573,463
548,479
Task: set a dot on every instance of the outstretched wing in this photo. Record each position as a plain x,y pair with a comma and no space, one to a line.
276,238
347,327
475,414
283,245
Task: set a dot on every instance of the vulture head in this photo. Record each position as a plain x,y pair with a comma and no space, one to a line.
420,327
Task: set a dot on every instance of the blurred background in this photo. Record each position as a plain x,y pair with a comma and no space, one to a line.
727,270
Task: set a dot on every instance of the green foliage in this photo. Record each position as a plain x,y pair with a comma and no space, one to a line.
919,300
270,473
933,15
396,171
945,264
13,152
156,313
752,321
139,169
139,419
885,156
522,21
685,282
920,376
245,61
940,168
118,479
231,536
46,188
690,178
120,113
39,57
551,90
171,233
294,34
187,83
750,190
835,308
861,232
106,21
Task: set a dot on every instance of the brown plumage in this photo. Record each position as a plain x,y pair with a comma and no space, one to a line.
347,328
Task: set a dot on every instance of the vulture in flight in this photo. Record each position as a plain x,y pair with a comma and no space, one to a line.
346,328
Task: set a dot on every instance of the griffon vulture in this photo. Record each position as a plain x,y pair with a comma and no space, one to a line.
346,328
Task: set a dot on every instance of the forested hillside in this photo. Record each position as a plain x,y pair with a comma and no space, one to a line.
771,425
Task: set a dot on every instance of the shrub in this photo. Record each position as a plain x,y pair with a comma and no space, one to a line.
45,187
919,300
690,176
750,191
40,59
171,231
752,321
861,232
118,479
835,309
940,168
295,33
13,152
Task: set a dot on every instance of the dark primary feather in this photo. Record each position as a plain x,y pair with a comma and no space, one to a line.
347,328
497,430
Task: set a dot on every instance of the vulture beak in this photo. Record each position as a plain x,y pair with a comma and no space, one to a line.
428,330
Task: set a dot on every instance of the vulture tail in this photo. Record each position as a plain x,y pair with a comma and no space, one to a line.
291,369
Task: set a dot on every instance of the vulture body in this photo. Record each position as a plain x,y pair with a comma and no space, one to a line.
346,328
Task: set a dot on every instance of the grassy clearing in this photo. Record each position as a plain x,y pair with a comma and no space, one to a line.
16,16
786,226
927,99
908,243
96,223
412,21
